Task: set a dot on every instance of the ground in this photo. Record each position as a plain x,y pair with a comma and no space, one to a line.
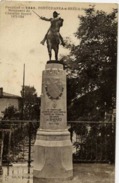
83,173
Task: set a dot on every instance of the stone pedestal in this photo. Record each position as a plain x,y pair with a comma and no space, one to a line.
53,149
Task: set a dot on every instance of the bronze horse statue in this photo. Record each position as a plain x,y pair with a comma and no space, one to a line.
53,39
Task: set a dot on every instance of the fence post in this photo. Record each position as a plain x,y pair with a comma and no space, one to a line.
1,149
9,145
29,151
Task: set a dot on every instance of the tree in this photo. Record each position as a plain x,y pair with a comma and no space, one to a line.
91,65
11,113
30,103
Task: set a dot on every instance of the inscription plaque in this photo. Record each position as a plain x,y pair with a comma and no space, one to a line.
54,115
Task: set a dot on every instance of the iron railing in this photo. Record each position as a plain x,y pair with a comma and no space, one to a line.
18,138
91,141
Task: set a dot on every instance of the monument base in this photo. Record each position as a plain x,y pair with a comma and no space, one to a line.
53,148
53,156
51,180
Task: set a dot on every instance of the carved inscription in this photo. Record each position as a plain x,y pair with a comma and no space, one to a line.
54,115
54,72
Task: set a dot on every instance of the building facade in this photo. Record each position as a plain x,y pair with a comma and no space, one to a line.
6,100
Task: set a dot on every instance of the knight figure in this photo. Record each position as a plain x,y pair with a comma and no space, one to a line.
54,27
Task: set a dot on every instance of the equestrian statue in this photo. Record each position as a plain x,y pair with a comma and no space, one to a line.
53,37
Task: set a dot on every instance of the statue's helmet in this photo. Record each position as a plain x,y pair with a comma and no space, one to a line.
55,13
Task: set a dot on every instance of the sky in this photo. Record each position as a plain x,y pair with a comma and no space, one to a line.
20,40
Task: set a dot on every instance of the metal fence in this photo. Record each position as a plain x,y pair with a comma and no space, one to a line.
91,141
16,141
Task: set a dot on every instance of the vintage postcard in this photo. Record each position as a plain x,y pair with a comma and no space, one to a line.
58,65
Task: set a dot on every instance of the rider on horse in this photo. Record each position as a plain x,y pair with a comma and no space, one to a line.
53,27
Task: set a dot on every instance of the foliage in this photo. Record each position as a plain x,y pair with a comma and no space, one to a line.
30,103
21,132
94,142
11,113
91,65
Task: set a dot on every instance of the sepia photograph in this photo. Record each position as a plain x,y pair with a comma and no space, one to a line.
58,92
